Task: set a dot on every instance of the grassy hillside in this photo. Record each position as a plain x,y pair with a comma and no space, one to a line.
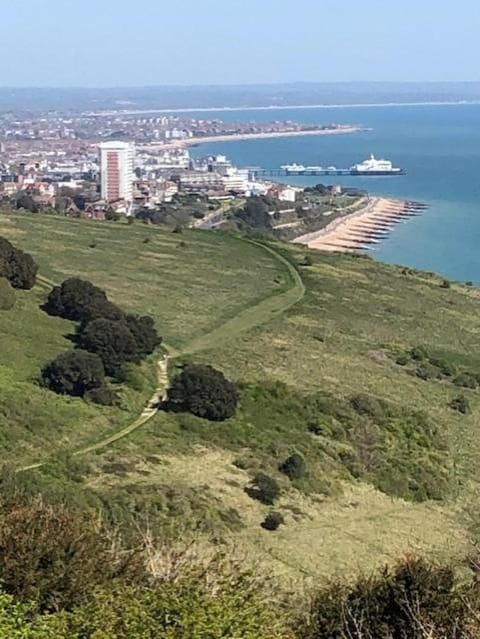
321,356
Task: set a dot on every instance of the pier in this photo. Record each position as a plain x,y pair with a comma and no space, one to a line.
318,171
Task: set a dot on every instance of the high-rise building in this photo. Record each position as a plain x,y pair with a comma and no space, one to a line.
116,171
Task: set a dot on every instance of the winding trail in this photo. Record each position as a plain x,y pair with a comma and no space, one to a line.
249,318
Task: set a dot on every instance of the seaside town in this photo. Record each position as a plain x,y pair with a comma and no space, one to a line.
138,165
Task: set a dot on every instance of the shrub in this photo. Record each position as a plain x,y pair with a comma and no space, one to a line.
446,368
273,521
402,360
80,301
264,489
74,373
178,228
308,261
112,341
368,405
17,267
460,404
7,295
103,396
466,380
411,600
426,371
419,353
294,467
445,284
204,392
51,556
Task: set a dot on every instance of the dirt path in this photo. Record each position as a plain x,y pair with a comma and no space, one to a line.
256,315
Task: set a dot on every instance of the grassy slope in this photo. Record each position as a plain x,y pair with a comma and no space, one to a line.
176,284
334,339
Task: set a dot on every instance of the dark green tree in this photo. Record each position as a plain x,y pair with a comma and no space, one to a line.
294,467
112,341
81,301
145,334
203,391
17,267
74,373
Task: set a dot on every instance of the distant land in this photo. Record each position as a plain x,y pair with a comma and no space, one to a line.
237,96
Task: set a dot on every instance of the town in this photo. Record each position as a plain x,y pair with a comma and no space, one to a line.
127,165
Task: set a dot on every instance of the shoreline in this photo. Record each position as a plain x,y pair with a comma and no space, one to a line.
242,137
273,107
360,230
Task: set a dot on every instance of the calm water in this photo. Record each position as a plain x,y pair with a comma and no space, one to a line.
439,146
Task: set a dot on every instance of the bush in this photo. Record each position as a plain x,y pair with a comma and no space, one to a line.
466,380
112,341
51,556
273,521
103,396
419,353
411,600
446,368
402,360
264,489
80,301
17,267
426,371
460,404
308,261
294,467
7,295
74,373
204,392
445,284
368,405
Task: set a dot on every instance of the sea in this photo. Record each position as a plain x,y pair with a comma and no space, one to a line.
437,145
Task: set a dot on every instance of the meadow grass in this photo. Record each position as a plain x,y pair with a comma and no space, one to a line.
234,304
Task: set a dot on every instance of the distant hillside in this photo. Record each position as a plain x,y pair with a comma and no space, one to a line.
236,96
358,385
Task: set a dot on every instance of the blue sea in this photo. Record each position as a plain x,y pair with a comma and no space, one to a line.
437,145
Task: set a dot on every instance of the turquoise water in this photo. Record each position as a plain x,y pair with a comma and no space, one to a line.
439,146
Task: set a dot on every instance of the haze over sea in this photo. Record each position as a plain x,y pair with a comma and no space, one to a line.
438,146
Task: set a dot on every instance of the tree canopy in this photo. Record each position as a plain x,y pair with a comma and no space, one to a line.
112,341
74,373
17,267
204,392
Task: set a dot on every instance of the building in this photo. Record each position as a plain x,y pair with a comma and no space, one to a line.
116,171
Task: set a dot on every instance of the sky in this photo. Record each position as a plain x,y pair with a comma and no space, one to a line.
101,43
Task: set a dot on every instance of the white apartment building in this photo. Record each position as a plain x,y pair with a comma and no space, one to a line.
116,171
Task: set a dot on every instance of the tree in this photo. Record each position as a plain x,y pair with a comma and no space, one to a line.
294,467
255,214
145,334
18,267
80,300
203,391
112,341
26,201
74,373
273,521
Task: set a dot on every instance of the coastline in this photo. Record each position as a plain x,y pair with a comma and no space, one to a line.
241,137
360,230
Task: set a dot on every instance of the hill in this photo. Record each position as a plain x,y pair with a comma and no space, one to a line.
351,364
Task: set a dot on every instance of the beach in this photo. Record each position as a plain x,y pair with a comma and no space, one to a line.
360,230
240,137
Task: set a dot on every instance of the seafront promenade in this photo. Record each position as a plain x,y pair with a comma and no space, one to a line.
365,227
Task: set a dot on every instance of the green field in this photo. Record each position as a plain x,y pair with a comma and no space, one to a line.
303,343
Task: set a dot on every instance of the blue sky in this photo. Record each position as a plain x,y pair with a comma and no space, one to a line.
123,42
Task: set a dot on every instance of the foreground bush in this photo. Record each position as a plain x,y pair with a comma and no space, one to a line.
264,489
80,301
204,392
74,373
50,556
17,267
413,600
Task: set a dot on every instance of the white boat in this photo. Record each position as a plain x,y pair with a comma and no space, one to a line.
372,166
293,168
